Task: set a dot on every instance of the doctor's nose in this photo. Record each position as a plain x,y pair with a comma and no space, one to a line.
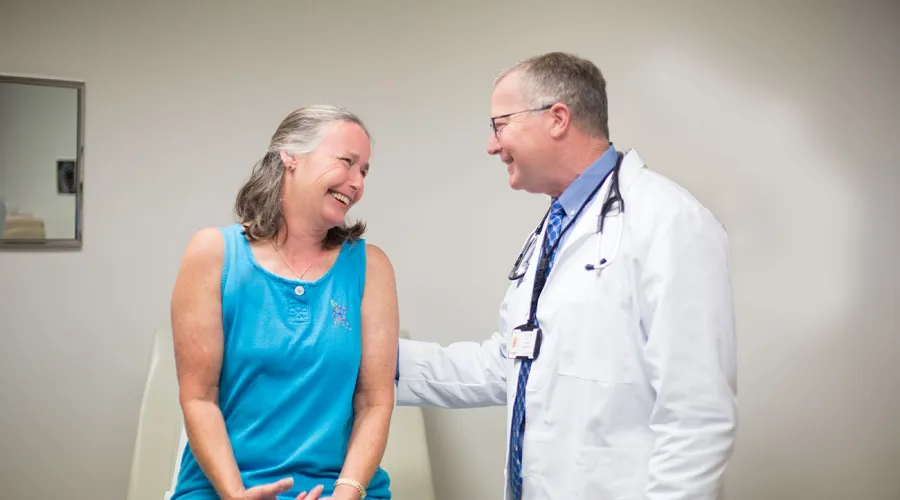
493,145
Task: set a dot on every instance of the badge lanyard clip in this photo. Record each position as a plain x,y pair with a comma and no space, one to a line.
526,339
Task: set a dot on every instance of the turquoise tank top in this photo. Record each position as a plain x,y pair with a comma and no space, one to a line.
289,369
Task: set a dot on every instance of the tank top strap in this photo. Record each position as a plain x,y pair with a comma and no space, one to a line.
355,261
235,249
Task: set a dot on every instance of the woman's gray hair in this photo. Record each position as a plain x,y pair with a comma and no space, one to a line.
258,206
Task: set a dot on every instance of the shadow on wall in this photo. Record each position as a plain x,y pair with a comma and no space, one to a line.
804,191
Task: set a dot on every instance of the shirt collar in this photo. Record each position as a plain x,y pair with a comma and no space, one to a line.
580,189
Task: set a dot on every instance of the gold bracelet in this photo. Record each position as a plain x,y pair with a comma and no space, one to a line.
355,484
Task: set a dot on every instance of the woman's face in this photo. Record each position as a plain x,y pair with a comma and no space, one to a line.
327,182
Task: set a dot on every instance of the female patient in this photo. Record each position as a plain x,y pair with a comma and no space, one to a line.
285,328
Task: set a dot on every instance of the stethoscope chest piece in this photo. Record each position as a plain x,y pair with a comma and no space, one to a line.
595,267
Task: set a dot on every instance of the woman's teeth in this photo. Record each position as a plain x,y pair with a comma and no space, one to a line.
339,197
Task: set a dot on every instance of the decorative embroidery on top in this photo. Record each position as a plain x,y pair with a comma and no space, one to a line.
298,313
339,315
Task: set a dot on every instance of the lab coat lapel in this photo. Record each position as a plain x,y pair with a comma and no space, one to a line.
584,227
587,225
519,303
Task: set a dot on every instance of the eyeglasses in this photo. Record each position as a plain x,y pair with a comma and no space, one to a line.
507,115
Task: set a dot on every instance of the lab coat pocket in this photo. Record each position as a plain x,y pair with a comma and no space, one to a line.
610,474
596,328
546,475
599,353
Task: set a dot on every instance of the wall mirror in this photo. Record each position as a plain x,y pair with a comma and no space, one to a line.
41,162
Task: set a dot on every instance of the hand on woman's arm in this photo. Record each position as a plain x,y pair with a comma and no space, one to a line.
196,315
373,402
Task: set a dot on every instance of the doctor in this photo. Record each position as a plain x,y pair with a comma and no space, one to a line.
615,353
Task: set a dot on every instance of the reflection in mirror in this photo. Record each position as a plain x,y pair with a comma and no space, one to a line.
41,147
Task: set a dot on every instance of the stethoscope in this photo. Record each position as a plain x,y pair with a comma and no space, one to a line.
613,200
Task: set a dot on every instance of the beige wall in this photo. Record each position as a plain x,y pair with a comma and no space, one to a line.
782,119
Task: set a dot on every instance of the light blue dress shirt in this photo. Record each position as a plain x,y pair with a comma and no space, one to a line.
581,188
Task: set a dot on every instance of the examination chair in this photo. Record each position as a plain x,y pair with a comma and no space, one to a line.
161,438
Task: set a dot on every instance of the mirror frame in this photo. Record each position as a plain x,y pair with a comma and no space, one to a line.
58,243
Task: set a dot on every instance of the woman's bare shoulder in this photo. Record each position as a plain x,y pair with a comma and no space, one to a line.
204,252
377,258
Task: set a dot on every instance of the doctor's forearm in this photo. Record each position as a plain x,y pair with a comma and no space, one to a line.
461,375
690,456
694,420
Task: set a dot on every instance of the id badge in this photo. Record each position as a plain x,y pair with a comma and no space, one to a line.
525,343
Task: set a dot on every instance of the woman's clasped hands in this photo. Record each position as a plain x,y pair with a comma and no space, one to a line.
272,490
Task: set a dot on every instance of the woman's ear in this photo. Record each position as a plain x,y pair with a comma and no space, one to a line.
290,162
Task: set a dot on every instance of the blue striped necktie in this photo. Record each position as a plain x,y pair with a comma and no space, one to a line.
517,432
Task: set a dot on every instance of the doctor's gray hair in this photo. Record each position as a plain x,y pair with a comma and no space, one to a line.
558,77
258,206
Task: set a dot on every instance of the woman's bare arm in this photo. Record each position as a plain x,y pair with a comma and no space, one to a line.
196,314
373,401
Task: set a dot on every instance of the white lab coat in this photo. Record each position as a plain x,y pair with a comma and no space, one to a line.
633,394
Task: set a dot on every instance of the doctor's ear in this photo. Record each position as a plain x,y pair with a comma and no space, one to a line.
561,118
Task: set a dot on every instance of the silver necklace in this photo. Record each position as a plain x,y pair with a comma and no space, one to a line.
299,276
